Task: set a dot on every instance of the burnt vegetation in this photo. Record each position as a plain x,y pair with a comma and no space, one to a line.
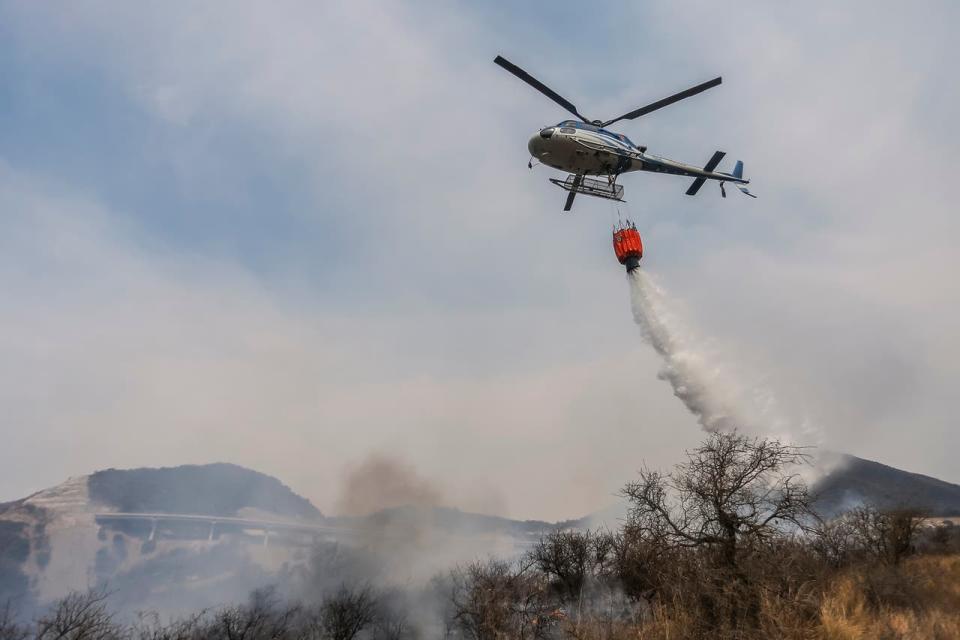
725,545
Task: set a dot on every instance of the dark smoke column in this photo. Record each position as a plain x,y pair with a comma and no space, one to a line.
627,245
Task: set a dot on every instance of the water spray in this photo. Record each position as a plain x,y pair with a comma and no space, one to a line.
693,380
717,395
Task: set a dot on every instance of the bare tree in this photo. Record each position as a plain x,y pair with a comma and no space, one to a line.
346,612
887,535
835,540
638,565
262,618
732,491
79,616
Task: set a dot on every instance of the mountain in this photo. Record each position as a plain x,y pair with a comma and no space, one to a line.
67,537
210,489
852,481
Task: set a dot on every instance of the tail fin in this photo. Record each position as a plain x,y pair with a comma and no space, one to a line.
738,170
738,174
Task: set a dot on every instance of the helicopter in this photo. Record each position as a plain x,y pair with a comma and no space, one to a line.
585,147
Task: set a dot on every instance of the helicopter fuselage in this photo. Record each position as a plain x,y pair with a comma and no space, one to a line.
587,149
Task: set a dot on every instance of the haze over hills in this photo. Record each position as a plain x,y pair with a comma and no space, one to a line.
229,529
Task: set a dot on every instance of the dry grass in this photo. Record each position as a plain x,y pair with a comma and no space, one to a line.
919,600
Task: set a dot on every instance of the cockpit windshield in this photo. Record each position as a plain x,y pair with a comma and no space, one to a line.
579,125
622,138
576,124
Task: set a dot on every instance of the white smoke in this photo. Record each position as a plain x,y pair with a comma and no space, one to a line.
717,395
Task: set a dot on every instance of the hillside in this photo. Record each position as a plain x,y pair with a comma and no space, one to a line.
212,489
855,481
58,539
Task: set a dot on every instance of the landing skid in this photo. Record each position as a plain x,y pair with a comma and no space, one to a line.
574,184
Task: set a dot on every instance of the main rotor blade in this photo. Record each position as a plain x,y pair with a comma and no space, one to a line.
539,86
659,104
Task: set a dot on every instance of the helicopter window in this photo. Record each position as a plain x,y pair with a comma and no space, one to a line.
567,130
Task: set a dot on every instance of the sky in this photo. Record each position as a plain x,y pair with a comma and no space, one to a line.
297,236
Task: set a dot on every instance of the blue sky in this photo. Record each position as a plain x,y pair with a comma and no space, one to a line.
293,235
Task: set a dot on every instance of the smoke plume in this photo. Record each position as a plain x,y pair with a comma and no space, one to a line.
399,521
381,482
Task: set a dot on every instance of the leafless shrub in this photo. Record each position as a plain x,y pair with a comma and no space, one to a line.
341,615
79,616
495,599
886,535
566,558
264,617
640,565
583,571
346,612
835,540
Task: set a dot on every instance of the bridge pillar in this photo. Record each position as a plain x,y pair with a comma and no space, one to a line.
153,529
266,537
212,526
